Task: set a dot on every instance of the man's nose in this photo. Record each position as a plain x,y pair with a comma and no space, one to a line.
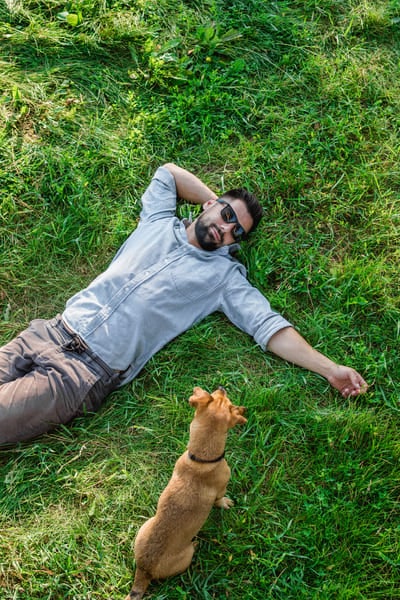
227,227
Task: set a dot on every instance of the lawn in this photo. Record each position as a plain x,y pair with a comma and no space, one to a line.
299,102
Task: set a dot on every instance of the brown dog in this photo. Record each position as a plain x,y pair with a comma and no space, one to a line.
164,545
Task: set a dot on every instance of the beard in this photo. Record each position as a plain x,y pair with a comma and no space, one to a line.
205,240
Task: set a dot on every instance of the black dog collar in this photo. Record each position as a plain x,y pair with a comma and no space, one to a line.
204,460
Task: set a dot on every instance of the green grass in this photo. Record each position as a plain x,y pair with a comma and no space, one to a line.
300,102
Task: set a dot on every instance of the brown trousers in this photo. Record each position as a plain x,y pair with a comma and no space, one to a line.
48,376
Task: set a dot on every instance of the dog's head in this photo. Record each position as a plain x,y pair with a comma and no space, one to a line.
217,406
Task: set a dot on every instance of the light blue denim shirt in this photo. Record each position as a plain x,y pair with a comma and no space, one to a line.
158,285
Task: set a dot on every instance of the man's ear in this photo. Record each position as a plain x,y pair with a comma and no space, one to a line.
199,398
209,203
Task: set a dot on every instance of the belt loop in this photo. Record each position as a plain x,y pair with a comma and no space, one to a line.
76,344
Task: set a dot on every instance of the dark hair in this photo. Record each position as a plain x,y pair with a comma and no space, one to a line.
252,204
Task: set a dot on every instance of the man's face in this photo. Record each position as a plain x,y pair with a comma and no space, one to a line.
211,227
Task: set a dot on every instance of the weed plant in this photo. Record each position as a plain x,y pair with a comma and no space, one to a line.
299,101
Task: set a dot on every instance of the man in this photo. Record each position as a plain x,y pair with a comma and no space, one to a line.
167,276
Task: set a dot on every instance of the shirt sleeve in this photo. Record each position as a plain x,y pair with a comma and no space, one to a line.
159,199
247,308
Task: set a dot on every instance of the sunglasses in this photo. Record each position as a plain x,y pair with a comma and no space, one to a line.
229,216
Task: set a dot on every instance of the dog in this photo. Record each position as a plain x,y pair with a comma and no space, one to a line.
164,544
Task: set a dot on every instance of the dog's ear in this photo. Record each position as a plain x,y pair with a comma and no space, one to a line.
237,415
199,398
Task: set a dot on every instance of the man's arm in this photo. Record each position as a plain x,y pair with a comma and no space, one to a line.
189,187
291,346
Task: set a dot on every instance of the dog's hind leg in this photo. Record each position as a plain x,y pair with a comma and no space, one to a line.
140,585
174,563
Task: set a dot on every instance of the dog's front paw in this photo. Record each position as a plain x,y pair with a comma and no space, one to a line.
224,502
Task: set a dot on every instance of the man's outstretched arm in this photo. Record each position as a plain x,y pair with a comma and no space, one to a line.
188,186
291,346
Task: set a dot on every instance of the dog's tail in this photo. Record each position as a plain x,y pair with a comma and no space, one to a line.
140,585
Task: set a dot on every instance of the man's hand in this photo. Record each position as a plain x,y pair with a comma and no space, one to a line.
347,381
291,346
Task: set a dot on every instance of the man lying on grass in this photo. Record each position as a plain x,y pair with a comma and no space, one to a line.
168,275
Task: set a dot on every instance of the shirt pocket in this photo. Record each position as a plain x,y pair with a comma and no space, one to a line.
197,280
